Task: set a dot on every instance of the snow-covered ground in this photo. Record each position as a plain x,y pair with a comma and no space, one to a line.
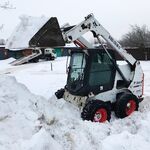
32,119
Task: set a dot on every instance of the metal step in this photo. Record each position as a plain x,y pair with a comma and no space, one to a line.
25,59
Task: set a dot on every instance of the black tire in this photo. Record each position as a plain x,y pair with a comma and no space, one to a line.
59,94
126,104
94,108
52,58
47,58
35,60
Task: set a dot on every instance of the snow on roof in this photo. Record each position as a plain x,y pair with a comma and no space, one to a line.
2,45
22,34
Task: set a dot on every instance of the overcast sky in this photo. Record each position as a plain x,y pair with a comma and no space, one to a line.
115,15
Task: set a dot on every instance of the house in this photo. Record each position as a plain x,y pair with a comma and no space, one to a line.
18,53
3,52
138,53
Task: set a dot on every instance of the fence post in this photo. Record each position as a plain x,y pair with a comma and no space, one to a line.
51,66
145,55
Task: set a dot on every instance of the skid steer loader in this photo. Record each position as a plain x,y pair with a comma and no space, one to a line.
95,83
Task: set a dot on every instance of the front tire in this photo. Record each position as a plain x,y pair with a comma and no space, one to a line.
126,104
59,93
35,60
96,111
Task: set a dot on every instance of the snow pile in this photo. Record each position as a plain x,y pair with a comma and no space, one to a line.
29,122
17,112
5,63
25,31
72,133
24,118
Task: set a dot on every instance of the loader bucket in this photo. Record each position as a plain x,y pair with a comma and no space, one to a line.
49,35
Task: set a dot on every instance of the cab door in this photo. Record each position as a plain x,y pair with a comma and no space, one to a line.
101,73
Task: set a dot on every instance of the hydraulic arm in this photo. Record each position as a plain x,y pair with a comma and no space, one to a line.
91,24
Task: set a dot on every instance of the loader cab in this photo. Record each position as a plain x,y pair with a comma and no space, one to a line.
90,70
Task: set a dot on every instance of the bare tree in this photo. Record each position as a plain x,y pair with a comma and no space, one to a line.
1,26
137,37
5,5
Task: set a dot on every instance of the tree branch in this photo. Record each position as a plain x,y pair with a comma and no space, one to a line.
7,5
1,27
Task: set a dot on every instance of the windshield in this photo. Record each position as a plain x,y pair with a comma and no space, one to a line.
76,71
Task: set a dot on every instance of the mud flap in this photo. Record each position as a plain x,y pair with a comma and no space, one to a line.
49,35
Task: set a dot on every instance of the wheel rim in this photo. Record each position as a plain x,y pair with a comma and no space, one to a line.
100,115
130,107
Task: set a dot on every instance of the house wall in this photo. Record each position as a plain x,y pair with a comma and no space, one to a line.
3,53
138,53
27,52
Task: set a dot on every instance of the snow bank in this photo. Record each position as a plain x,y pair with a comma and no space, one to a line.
29,122
22,34
72,133
17,112
5,63
24,117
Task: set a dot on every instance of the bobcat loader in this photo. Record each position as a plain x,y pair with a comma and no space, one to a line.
95,83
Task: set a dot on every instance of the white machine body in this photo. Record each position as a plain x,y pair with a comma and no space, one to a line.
131,71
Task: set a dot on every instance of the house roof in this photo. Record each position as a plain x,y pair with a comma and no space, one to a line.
2,46
22,34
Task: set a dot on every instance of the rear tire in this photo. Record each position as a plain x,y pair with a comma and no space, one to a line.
126,104
96,111
35,60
